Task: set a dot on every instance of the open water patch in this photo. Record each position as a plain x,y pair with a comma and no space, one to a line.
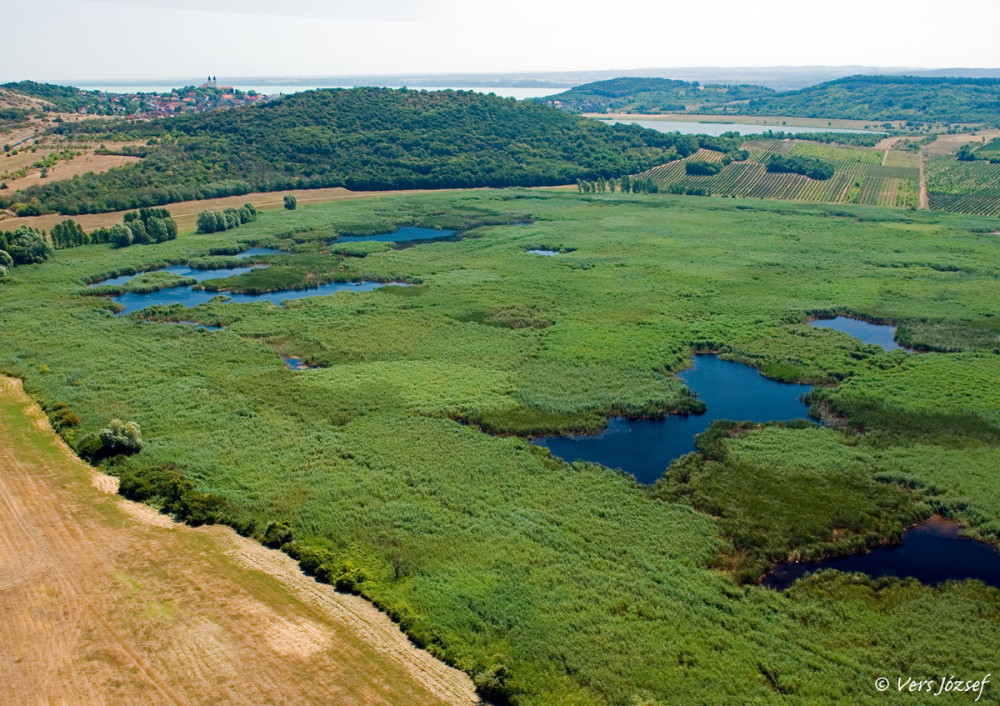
259,252
931,552
407,234
540,251
882,335
645,447
187,295
295,363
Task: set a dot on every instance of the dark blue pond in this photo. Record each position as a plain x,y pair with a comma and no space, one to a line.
295,363
183,271
883,335
256,252
188,296
645,447
931,552
406,234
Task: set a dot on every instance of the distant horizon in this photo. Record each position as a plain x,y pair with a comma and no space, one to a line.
782,77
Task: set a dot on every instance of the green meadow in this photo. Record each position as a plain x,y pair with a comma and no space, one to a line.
555,583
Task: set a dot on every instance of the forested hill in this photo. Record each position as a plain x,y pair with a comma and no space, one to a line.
918,98
363,138
650,95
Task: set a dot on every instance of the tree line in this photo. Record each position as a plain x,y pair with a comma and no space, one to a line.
362,139
218,221
626,184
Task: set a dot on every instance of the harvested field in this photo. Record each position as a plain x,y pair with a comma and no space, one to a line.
87,162
108,602
186,212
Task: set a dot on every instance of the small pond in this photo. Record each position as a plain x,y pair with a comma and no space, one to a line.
645,447
257,252
931,552
295,363
546,253
406,234
883,335
188,296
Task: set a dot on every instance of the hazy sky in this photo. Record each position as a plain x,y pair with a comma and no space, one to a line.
109,39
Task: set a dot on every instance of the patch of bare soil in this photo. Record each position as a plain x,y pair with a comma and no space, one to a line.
107,602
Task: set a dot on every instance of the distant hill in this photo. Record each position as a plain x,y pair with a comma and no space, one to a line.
363,138
650,95
916,98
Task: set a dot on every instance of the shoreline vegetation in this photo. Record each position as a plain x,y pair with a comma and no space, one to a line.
549,582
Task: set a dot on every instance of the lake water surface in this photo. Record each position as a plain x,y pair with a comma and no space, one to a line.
692,128
645,447
931,552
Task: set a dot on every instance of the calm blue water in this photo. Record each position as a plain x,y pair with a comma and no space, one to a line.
931,552
183,271
547,253
188,296
255,252
295,363
692,128
403,235
883,335
645,447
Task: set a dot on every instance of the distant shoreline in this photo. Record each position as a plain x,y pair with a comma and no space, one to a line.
778,122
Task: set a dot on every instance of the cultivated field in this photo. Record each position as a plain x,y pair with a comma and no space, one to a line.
860,178
108,602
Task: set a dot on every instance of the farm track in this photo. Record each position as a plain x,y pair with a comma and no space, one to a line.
106,601
925,201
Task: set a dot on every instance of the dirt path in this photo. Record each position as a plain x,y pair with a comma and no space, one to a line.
925,201
105,601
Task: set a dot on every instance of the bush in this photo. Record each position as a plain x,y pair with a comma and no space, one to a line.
6,260
291,202
27,246
806,166
218,221
117,439
702,168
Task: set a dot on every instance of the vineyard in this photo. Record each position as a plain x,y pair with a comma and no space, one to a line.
860,175
963,187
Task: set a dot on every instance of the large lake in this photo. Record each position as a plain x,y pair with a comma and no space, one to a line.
645,447
692,128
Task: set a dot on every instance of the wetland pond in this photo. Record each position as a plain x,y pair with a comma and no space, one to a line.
931,552
407,234
883,335
645,447
187,295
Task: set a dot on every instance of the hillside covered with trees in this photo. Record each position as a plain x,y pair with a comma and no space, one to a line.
916,98
650,95
363,138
